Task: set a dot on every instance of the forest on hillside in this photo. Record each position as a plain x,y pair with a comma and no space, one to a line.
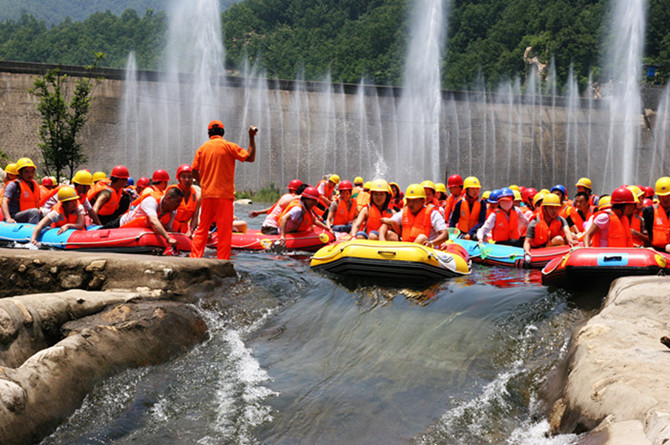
354,39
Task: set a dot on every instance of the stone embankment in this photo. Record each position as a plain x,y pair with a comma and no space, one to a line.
103,313
614,382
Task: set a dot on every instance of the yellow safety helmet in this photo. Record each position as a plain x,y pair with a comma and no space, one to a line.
471,182
83,177
11,169
428,184
515,187
380,185
605,202
67,194
23,163
584,182
486,194
662,187
367,185
637,193
539,196
415,191
358,180
392,184
439,187
97,176
545,191
334,178
517,195
551,200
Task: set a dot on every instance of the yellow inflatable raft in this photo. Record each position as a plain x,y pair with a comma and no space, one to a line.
391,260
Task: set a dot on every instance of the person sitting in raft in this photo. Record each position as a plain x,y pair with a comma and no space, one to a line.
298,215
548,228
430,190
369,219
358,186
141,185
10,174
527,198
656,217
343,210
504,224
579,213
47,185
469,212
611,227
81,182
326,189
416,223
364,197
397,197
67,214
492,202
637,228
20,203
455,186
99,176
107,196
188,212
270,225
155,211
584,186
441,193
159,180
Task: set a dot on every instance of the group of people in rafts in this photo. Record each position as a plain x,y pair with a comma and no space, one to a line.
518,216
93,198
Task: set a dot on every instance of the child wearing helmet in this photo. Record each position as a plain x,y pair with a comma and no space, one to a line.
548,228
67,214
270,225
416,222
369,219
343,210
469,211
505,222
611,227
298,216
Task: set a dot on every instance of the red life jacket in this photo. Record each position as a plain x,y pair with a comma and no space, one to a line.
342,214
544,233
143,221
67,219
307,215
29,199
112,203
618,234
469,218
185,211
49,194
415,225
661,233
507,226
636,223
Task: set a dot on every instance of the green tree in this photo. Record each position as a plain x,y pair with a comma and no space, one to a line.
63,120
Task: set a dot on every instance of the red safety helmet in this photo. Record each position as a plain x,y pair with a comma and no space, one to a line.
623,195
311,193
215,124
47,182
121,172
528,194
647,202
142,182
181,169
160,176
294,184
345,185
649,191
455,181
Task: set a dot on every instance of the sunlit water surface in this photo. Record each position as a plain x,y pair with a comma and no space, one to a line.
325,361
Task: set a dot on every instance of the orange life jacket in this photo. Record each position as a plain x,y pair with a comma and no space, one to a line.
374,221
342,214
636,223
507,226
661,233
143,221
67,219
363,199
469,218
566,210
576,218
618,234
449,206
307,215
185,211
544,232
97,187
112,203
415,225
49,194
29,199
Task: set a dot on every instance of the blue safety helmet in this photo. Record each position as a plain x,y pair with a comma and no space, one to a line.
506,192
131,181
560,188
493,197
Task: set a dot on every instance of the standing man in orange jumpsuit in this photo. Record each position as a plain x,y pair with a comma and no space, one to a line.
214,168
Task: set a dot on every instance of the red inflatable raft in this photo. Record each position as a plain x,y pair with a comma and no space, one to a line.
126,240
589,268
309,241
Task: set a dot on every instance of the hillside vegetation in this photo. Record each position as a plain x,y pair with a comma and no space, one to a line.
354,39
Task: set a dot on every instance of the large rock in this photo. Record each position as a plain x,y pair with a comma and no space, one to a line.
38,395
615,378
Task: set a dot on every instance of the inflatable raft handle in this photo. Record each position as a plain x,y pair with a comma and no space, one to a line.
386,252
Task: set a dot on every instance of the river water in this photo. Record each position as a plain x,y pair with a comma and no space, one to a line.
312,359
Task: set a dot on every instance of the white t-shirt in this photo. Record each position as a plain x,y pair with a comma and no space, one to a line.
148,207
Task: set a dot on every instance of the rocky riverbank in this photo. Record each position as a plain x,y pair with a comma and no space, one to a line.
104,313
614,380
